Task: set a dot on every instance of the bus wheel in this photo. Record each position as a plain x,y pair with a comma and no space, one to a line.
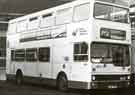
19,78
62,83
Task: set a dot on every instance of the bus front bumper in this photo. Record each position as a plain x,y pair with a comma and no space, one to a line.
109,84
99,84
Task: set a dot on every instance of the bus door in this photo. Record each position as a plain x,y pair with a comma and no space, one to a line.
45,65
61,58
80,66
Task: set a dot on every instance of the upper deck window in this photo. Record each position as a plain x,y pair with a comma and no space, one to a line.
22,26
111,13
119,2
47,20
12,28
47,15
64,16
33,23
34,18
81,12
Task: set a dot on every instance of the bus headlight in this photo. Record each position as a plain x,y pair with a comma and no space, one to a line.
123,78
93,78
128,77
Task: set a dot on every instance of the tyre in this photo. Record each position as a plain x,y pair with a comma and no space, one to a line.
19,78
62,83
132,77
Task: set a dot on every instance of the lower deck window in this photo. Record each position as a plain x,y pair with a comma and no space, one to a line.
80,52
19,55
44,54
12,55
31,54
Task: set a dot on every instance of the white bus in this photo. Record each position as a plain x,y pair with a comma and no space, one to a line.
82,44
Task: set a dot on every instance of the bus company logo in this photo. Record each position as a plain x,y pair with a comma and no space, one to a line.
80,31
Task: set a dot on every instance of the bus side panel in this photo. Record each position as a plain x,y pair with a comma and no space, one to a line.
61,58
44,70
9,66
80,72
28,69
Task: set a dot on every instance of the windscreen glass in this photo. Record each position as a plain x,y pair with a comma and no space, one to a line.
110,13
110,54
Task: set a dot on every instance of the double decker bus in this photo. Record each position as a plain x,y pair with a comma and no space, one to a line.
82,44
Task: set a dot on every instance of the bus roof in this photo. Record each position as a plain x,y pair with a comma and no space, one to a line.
67,5
50,10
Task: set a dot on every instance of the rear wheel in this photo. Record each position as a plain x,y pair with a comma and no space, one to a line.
19,78
62,83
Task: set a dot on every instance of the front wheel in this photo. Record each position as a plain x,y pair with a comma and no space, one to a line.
132,77
62,83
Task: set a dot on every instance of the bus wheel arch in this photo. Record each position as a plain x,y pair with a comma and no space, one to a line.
19,77
62,81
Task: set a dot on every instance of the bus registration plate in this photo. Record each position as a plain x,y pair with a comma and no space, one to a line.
112,86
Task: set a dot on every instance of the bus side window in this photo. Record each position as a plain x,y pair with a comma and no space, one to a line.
12,55
80,14
19,55
44,54
81,52
64,16
22,26
31,54
12,28
33,23
47,20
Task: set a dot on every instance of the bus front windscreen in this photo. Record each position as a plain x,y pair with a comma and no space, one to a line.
102,53
111,13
